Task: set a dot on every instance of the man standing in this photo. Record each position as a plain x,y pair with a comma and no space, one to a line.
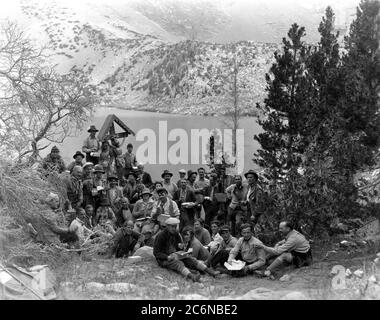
248,249
130,160
167,243
170,186
144,177
216,206
183,195
237,209
202,182
91,146
294,249
254,195
191,177
182,175
78,161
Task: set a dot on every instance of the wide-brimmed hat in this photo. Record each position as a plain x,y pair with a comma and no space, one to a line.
87,164
190,173
92,128
182,171
99,168
112,177
166,172
172,221
146,191
78,153
251,172
161,189
132,173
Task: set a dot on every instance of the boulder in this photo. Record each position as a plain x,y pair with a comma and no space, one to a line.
146,253
295,295
134,259
120,287
258,294
359,273
192,296
285,278
94,287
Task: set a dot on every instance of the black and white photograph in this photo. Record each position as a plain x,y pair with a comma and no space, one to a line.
185,155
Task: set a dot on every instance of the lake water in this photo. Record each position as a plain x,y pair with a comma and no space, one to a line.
141,121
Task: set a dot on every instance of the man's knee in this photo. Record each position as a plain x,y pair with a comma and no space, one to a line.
285,257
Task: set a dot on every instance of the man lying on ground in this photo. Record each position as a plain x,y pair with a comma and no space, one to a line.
248,249
167,243
294,249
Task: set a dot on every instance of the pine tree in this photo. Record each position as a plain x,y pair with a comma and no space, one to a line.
359,105
282,141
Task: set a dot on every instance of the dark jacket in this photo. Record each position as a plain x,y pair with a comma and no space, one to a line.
165,244
190,197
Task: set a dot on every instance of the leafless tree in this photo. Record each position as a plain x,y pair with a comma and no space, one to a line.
37,105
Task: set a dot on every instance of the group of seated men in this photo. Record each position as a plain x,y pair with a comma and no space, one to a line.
113,196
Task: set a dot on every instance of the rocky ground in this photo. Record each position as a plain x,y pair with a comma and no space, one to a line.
341,275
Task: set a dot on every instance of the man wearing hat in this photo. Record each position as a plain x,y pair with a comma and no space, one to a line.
105,209
53,162
182,176
191,177
254,195
91,146
166,244
238,207
78,161
164,205
143,210
170,186
129,160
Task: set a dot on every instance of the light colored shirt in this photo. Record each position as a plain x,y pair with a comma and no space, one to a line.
236,194
252,255
201,184
77,226
90,143
143,209
169,207
170,187
229,244
294,241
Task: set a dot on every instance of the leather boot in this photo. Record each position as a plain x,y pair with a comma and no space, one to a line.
194,277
